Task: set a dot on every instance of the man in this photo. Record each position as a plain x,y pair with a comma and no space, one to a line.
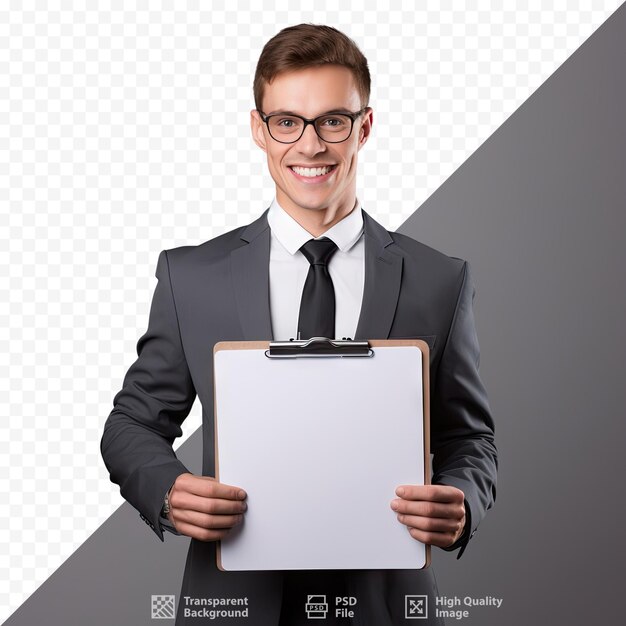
264,281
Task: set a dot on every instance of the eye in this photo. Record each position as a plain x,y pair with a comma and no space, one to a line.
286,122
333,122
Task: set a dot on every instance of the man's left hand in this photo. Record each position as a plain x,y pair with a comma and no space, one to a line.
434,514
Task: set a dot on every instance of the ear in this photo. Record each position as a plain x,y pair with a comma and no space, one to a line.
258,130
365,127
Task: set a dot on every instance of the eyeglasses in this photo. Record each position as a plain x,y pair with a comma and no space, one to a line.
330,127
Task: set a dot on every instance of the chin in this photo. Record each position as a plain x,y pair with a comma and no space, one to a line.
311,204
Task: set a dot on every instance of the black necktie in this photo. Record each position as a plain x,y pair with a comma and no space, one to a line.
317,307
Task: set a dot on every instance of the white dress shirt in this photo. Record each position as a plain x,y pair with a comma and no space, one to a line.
289,268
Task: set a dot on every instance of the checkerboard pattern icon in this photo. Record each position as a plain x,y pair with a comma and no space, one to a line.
163,607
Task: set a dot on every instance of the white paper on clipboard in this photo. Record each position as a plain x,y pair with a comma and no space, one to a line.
320,445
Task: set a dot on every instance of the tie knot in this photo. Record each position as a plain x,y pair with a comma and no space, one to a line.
319,251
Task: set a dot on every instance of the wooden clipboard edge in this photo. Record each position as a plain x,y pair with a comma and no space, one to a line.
227,345
421,345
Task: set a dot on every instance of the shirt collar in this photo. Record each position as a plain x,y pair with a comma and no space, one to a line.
292,236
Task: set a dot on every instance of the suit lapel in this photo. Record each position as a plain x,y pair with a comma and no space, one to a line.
383,274
250,267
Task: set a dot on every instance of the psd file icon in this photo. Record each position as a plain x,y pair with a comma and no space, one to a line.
316,607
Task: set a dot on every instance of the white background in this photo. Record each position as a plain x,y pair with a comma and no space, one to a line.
124,131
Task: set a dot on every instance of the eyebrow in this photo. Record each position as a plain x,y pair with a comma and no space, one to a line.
331,112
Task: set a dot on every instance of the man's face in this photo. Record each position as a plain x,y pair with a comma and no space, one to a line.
311,92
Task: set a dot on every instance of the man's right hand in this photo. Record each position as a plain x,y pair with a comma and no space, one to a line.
202,508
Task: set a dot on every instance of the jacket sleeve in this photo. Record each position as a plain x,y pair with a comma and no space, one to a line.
462,433
156,397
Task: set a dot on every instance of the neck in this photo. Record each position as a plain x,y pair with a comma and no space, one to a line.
318,221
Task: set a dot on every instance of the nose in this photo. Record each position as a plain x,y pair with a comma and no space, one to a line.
310,144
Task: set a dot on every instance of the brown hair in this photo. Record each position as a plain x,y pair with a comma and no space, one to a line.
310,45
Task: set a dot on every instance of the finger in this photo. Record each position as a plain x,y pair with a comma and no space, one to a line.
441,540
211,506
428,509
431,493
431,524
212,522
208,487
202,534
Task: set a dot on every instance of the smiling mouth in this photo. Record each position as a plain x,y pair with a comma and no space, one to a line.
312,172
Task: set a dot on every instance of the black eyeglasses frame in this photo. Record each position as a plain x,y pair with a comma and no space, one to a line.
352,115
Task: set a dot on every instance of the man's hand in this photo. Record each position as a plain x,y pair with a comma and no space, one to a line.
202,508
434,514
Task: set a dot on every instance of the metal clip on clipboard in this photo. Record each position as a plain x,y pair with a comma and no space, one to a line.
318,347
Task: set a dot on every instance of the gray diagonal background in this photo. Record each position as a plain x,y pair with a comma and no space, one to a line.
539,210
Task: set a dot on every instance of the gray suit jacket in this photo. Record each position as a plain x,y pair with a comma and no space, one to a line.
219,291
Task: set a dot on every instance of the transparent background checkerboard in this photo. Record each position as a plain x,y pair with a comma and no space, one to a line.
124,131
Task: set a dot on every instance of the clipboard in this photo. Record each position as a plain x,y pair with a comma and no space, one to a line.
320,433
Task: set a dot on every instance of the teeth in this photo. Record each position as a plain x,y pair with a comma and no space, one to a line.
310,172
